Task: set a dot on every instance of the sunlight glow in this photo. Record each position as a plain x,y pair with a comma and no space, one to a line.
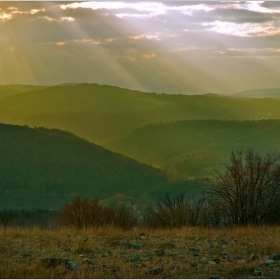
145,36
146,55
243,29
61,43
67,19
5,17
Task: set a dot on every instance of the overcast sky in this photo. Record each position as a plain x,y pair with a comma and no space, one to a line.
172,47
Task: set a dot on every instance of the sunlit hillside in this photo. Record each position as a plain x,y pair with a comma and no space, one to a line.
101,113
42,168
197,148
8,90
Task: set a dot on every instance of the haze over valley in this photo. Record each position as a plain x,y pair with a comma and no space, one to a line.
127,100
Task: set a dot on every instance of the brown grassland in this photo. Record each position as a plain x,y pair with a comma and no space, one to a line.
189,252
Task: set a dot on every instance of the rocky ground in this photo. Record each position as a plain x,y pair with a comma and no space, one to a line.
252,252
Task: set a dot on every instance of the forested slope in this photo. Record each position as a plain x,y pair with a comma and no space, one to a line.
100,113
189,149
43,168
8,90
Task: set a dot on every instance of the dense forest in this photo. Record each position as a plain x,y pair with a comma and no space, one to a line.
44,168
100,113
196,148
142,145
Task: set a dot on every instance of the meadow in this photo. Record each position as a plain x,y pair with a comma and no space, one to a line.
189,252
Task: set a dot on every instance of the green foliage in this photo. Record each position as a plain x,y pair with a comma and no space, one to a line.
100,113
8,90
42,168
189,149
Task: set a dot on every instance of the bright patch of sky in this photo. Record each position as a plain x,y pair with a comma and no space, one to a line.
168,46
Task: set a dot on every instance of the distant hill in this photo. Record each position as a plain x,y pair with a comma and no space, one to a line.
101,113
43,168
7,90
259,93
190,149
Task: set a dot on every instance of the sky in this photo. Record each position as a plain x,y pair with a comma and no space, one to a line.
186,47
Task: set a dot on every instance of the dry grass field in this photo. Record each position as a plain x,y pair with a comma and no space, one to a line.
249,252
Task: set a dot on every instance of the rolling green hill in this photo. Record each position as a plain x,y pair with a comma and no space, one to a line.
42,168
101,113
259,93
189,149
8,90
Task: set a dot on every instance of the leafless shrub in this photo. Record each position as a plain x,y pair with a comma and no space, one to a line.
81,214
248,189
86,213
175,212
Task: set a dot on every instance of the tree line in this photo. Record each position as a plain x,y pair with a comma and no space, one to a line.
246,193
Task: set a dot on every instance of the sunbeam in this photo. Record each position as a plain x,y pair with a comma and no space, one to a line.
184,47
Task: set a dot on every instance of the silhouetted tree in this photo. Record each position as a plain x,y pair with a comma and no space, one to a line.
176,212
245,192
81,214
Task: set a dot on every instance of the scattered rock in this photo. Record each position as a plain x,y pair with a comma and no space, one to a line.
204,260
135,258
142,234
175,267
64,272
257,272
155,270
25,255
113,269
270,262
216,260
193,264
135,245
124,242
159,252
89,262
63,249
168,245
53,262
254,257
194,250
73,266
212,262
275,257
146,259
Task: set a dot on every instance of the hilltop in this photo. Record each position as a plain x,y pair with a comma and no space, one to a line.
8,90
101,113
259,93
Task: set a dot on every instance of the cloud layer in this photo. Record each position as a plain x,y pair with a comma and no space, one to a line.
174,47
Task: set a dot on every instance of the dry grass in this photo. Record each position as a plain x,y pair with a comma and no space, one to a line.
105,253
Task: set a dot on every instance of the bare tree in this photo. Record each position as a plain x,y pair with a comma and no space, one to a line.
176,212
244,193
81,213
